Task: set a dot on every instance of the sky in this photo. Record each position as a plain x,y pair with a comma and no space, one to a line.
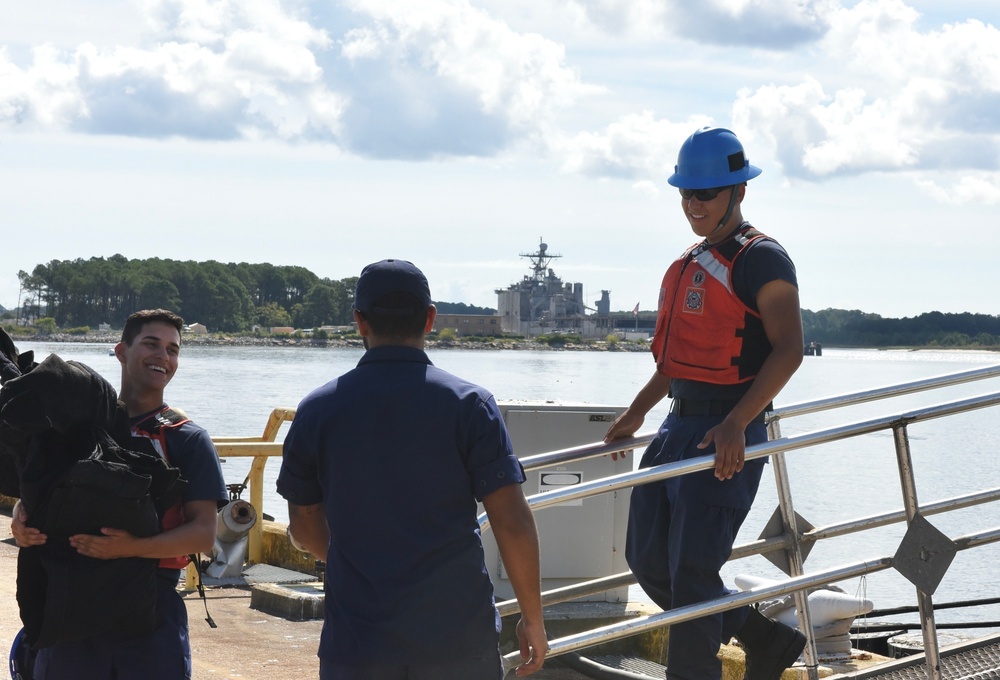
459,134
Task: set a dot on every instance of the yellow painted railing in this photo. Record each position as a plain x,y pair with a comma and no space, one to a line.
260,449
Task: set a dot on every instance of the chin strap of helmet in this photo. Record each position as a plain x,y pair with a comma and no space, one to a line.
729,211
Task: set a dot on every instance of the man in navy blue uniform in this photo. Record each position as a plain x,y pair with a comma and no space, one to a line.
148,352
728,337
382,470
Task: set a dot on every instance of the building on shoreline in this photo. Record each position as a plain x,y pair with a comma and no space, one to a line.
541,303
469,324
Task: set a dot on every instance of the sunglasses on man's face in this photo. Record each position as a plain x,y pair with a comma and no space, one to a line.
701,194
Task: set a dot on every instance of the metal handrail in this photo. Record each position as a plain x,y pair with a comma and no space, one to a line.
577,641
657,473
585,451
761,546
888,392
790,541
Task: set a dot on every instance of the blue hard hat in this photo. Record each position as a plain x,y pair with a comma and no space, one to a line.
711,157
18,655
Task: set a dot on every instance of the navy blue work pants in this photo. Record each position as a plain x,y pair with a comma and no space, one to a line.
680,533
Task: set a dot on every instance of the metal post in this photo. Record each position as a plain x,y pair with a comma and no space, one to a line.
793,551
924,601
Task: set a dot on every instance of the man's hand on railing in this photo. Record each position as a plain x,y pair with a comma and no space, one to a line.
730,448
625,425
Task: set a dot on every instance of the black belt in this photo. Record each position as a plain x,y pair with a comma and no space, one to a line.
710,407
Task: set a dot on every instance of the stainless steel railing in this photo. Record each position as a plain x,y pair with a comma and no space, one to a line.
791,540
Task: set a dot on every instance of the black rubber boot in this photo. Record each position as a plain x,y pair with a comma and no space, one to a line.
770,646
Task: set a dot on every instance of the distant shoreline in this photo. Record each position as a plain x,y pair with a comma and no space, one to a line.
480,343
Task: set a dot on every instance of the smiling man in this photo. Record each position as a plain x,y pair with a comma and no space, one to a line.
148,353
728,337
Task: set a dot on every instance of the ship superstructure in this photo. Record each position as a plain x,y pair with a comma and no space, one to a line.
542,303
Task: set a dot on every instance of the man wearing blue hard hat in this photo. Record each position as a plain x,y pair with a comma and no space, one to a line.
382,469
728,337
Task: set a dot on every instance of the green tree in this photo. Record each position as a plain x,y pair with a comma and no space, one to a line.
319,306
28,296
272,314
158,293
46,325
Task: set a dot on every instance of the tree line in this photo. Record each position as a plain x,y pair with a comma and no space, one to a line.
226,297
854,328
236,297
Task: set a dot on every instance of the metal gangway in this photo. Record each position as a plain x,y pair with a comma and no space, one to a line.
923,556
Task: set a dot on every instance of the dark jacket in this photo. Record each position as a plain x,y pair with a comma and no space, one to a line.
67,453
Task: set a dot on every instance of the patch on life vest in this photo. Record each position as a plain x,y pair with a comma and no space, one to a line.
694,300
698,278
168,417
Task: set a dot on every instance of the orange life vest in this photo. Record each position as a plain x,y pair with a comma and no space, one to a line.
153,428
704,331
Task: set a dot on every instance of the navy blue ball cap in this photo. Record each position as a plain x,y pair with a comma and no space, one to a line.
390,276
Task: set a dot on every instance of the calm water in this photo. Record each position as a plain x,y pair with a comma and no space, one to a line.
232,390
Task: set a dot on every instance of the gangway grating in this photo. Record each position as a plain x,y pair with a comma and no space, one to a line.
259,573
977,659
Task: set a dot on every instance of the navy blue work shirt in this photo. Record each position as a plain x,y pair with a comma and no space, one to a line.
399,451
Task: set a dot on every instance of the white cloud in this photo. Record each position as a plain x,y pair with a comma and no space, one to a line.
636,17
382,79
43,96
647,188
212,70
637,147
257,54
867,90
442,57
211,23
816,135
364,43
770,24
904,100
979,188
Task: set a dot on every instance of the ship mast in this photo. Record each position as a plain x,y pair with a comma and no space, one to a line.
540,261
